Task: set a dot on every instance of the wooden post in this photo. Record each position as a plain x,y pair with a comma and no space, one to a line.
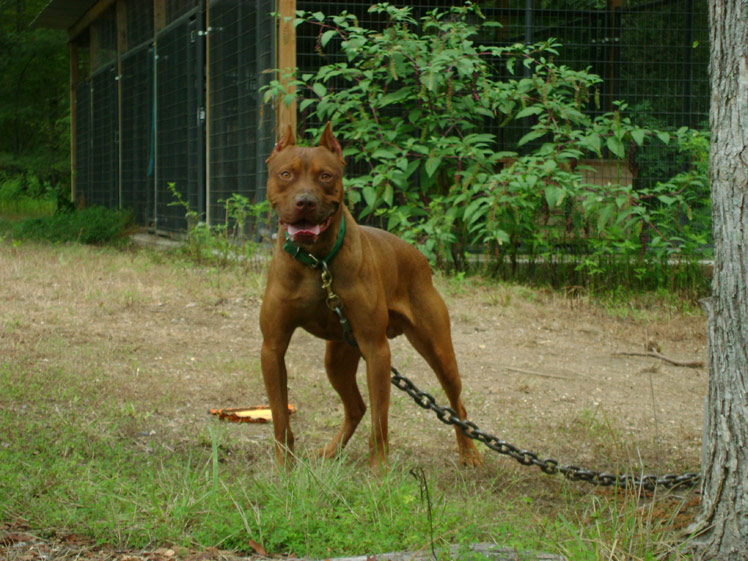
159,15
121,22
94,45
286,63
74,76
614,44
206,101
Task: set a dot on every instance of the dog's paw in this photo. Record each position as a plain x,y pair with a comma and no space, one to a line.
470,457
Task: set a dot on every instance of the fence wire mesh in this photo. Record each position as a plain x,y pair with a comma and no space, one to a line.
179,124
82,139
103,168
138,127
241,47
651,54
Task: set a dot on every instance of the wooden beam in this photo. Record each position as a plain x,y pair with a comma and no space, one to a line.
73,49
121,27
159,15
121,23
286,58
208,24
94,45
93,13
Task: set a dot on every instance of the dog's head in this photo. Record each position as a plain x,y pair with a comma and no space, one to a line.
305,185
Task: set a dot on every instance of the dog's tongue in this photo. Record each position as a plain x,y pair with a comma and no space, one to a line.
304,229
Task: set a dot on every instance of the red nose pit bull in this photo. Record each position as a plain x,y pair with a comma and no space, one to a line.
384,285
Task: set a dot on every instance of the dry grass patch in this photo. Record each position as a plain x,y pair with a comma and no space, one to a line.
110,360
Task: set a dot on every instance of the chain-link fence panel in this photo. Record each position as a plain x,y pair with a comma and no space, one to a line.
138,135
241,132
180,141
103,185
82,140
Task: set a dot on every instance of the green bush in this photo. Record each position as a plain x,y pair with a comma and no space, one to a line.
94,225
220,244
412,104
26,195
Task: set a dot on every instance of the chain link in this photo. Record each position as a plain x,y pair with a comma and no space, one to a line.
449,416
549,466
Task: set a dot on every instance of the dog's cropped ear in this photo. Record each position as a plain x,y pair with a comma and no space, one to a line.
288,139
329,141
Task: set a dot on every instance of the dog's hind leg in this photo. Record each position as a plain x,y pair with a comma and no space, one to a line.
433,340
341,363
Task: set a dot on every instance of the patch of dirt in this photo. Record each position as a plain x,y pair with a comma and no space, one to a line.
540,370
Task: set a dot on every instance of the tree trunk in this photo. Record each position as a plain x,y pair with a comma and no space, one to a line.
722,524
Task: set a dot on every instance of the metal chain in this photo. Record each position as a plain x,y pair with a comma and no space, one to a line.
449,416
549,466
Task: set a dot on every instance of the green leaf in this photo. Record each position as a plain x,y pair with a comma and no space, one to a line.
666,199
638,136
395,97
389,194
527,111
432,165
384,154
319,89
615,145
326,36
306,103
554,196
370,196
592,142
530,136
664,137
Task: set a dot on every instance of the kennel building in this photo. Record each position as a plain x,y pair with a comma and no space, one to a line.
165,94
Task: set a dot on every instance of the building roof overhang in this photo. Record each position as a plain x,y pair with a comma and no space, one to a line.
62,14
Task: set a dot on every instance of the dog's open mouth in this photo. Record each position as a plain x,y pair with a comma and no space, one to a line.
305,231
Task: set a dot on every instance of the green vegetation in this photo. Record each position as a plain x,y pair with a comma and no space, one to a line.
94,225
25,197
417,106
34,112
73,463
236,240
109,360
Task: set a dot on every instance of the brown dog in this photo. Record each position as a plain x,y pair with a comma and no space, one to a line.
383,283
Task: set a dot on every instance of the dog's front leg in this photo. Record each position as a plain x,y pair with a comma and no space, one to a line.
275,376
377,354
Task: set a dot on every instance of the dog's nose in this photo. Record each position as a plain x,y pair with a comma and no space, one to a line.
305,201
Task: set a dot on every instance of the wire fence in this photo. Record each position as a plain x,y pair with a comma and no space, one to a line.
177,110
653,55
180,105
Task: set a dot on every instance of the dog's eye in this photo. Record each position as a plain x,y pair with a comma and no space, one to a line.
285,174
324,176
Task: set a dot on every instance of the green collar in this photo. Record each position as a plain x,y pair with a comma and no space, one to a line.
307,258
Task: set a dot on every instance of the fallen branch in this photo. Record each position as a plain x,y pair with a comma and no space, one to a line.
655,354
535,373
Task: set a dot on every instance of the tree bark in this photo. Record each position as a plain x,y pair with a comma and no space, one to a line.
722,524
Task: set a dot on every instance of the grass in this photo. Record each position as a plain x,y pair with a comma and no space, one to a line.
71,467
93,225
27,207
103,432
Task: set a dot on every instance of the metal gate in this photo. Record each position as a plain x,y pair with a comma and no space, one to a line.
180,120
240,137
103,171
138,135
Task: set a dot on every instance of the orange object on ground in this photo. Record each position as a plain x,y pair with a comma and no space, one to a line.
258,414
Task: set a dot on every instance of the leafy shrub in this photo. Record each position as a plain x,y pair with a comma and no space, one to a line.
94,225
26,195
234,240
413,102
